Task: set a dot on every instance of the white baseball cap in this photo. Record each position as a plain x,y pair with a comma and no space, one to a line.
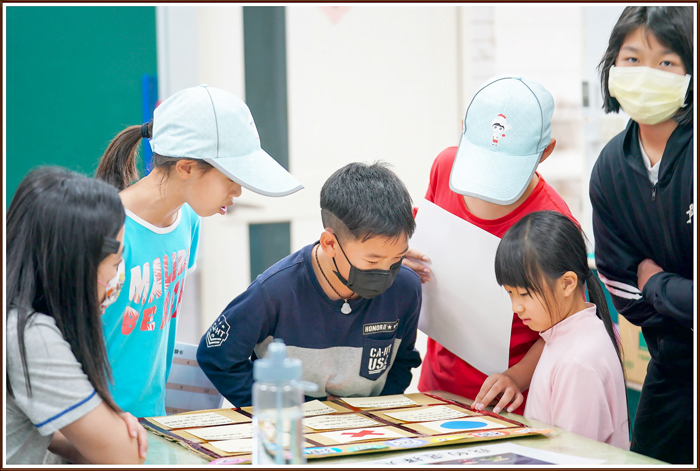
506,128
213,125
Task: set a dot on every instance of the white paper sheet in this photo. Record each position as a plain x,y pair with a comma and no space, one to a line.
463,308
224,432
193,420
188,388
396,400
427,414
241,445
244,445
317,407
438,456
327,422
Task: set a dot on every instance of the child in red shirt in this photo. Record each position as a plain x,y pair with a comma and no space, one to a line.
493,185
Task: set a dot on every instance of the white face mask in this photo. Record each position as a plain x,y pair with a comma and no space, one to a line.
113,287
649,96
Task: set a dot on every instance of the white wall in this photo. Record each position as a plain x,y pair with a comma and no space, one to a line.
598,128
204,44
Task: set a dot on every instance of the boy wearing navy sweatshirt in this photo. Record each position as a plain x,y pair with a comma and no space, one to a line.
344,305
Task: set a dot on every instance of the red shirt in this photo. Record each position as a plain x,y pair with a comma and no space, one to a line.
442,370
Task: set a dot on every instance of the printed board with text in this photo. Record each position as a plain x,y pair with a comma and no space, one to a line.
344,427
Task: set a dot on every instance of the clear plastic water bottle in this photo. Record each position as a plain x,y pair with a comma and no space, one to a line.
278,395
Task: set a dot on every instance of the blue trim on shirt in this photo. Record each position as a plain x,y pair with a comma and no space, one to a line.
67,410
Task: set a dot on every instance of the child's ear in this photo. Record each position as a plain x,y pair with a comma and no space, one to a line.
569,283
328,243
548,150
185,168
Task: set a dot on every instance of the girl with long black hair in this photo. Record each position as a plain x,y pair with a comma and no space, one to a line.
579,382
64,266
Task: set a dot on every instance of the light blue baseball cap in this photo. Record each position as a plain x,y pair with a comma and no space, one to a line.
213,125
506,128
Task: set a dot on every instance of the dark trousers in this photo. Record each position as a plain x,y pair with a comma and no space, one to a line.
663,427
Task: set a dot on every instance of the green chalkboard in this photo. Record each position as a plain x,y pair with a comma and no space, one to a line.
269,243
73,82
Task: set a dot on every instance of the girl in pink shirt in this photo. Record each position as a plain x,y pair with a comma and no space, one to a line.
579,382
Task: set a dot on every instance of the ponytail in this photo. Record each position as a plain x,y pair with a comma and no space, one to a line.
597,297
118,164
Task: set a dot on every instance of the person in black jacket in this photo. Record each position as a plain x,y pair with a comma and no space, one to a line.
641,190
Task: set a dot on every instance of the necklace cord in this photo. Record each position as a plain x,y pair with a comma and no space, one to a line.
325,277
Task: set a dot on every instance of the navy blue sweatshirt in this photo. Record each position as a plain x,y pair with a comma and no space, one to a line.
368,352
634,220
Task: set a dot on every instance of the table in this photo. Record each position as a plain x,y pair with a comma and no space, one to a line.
161,451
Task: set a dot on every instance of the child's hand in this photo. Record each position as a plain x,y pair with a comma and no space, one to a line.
646,270
136,431
495,385
413,261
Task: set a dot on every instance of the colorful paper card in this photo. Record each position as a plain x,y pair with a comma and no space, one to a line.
340,437
361,434
329,422
467,424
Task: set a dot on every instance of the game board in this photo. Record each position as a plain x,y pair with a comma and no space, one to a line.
343,427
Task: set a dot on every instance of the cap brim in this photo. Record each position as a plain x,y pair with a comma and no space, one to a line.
259,173
491,176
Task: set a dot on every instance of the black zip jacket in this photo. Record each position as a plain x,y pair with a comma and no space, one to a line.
634,220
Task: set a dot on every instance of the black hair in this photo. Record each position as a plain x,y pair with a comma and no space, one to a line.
118,164
364,201
672,27
538,250
57,224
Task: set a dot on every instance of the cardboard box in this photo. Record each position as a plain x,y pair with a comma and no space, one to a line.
635,353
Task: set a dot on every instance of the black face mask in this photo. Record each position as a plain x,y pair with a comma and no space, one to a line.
367,283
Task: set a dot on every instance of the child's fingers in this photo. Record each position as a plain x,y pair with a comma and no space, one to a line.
488,392
131,423
416,260
416,255
505,399
416,266
479,399
508,395
136,431
516,403
143,441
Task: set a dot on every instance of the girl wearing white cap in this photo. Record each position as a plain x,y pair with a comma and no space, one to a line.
205,149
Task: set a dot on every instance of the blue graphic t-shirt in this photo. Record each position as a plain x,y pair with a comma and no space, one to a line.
139,327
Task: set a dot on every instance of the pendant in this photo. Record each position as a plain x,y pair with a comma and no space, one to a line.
346,309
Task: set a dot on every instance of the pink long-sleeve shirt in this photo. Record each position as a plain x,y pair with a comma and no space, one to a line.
578,383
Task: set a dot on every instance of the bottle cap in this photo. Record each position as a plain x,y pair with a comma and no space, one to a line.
276,367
